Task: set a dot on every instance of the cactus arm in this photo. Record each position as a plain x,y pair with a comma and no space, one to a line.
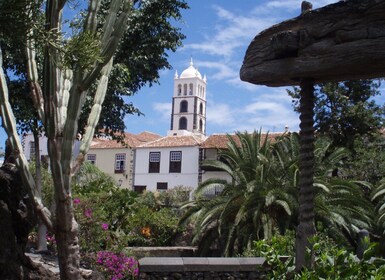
33,78
93,118
91,20
9,125
113,30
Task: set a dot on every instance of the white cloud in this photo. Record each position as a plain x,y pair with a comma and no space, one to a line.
220,114
164,109
232,32
293,5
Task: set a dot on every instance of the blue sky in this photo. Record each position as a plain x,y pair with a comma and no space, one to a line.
218,34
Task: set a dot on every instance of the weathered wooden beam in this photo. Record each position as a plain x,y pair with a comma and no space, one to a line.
341,41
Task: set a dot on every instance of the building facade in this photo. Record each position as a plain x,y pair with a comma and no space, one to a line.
167,163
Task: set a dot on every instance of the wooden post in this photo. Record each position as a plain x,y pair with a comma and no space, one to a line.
306,228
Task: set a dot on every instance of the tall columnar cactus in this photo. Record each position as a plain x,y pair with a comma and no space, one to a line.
306,227
59,104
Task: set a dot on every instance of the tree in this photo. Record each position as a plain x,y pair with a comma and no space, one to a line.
262,197
250,206
74,69
345,110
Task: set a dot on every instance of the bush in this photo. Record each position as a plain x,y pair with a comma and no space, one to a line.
117,266
152,227
331,262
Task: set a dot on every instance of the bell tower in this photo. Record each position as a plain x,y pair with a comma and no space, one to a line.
189,103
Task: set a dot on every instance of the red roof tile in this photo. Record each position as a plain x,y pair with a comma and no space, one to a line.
173,141
219,141
130,140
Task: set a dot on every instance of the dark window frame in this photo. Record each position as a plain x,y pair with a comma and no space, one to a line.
175,162
120,163
92,158
183,123
161,186
183,106
154,162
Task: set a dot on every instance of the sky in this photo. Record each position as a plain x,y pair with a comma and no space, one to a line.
217,36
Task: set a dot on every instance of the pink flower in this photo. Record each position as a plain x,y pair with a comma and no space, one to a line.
76,201
104,226
88,213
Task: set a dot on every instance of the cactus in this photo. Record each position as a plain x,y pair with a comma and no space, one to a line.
59,103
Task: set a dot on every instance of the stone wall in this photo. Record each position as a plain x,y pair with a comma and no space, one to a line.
201,268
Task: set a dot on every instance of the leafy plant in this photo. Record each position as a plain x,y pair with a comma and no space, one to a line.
331,262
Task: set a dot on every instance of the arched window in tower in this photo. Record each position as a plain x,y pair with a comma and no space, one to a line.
182,123
204,92
185,89
200,125
183,106
179,90
201,108
190,90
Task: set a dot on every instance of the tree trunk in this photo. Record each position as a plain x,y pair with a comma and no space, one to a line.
41,228
306,228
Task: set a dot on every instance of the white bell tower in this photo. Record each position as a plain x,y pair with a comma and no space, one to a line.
189,103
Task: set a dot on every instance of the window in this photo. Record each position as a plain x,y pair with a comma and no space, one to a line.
201,108
139,189
183,106
182,123
200,125
184,89
190,91
32,151
91,158
154,162
175,162
120,163
179,90
161,186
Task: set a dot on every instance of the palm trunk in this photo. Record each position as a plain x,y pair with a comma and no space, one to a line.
306,228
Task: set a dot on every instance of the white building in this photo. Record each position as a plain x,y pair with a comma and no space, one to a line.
166,163
117,158
28,143
174,160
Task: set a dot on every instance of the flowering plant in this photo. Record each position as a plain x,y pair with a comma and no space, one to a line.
118,266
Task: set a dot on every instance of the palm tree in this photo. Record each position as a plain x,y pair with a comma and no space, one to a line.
263,194
250,206
378,196
340,204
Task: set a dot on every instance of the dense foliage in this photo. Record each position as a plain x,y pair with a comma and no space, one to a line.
331,260
346,110
262,197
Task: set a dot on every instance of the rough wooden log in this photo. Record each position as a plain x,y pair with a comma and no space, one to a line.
341,41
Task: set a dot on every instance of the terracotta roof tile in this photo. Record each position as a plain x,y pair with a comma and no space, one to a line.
130,139
219,141
173,141
147,136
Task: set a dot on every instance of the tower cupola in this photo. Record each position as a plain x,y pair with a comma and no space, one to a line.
189,102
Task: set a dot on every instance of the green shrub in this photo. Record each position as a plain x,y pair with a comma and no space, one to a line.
331,262
151,227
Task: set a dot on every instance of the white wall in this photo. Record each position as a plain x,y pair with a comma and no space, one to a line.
189,171
105,161
28,139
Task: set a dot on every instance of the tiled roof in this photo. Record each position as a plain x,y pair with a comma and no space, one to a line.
147,136
130,140
219,141
173,141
